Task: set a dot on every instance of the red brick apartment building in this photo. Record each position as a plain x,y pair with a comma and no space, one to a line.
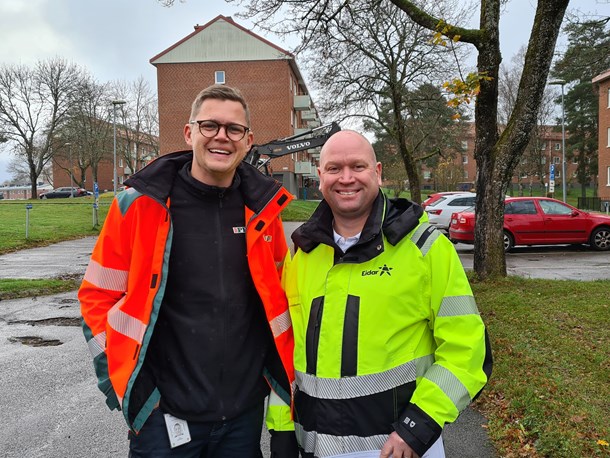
549,144
142,149
602,83
224,52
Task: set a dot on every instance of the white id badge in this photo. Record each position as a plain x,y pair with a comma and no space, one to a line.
177,430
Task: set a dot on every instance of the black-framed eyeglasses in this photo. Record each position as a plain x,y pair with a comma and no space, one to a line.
210,129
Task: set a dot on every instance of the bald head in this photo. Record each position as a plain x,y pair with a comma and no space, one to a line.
345,140
350,177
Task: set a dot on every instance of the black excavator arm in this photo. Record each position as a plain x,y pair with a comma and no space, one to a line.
307,140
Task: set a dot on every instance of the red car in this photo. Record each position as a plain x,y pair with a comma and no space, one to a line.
539,221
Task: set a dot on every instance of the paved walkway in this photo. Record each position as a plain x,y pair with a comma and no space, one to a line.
466,438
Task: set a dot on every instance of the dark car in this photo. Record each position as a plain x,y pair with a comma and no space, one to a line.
539,221
63,192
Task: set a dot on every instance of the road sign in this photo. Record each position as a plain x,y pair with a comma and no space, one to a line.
553,173
96,190
28,206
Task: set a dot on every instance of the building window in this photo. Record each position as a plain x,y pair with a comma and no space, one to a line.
609,97
464,144
557,146
608,136
608,184
464,158
543,146
428,174
219,77
543,161
556,160
465,174
120,162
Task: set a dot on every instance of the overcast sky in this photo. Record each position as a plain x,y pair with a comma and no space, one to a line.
115,39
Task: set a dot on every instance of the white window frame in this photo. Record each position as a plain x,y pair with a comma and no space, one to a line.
608,137
556,160
464,145
608,183
557,146
220,77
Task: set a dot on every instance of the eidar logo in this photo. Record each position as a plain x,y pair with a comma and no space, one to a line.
381,271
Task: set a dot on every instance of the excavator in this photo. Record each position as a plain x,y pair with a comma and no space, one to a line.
313,138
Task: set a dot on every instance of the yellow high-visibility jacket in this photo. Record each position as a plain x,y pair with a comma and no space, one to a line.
387,335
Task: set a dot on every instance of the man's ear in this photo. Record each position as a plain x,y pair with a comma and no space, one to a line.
378,169
188,134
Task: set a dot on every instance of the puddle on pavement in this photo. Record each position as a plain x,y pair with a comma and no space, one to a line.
57,321
35,341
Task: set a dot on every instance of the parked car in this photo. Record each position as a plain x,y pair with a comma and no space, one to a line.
539,221
63,192
440,211
436,196
1,195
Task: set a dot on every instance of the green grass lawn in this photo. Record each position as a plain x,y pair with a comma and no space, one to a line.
549,395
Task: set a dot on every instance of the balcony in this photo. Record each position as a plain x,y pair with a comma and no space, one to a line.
303,168
302,103
309,115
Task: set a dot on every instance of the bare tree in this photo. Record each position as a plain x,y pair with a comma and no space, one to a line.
85,139
497,154
139,121
534,161
34,103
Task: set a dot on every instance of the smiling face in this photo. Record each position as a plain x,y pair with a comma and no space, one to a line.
215,159
350,177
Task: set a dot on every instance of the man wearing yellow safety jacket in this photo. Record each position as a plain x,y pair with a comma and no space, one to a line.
389,344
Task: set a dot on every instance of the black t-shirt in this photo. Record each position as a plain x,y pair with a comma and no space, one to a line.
211,338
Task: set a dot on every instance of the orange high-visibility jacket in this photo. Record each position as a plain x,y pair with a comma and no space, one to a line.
124,284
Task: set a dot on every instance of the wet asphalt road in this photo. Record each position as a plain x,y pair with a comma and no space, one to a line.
50,403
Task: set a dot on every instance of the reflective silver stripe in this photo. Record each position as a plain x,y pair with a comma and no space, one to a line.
105,277
280,324
275,400
458,305
325,445
126,324
450,385
97,344
424,236
361,385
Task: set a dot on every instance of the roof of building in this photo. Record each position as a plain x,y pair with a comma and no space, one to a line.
224,40
601,77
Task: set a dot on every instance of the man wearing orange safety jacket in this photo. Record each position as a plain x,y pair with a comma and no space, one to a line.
182,304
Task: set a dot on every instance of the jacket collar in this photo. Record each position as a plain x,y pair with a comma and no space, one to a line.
157,179
394,218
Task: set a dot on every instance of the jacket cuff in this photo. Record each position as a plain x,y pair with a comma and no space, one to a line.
417,429
284,444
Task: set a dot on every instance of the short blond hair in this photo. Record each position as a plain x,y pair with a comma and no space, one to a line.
219,92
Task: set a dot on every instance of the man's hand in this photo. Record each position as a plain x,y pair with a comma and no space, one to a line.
395,447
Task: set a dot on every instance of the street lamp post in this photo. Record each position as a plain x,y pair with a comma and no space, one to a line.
69,145
115,103
563,139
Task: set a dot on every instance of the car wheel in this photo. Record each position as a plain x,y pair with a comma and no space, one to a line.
600,239
509,242
43,197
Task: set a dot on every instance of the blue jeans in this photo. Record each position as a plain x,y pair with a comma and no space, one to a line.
239,437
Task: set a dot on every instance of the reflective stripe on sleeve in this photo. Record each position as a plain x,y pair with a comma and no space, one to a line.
424,236
97,344
458,305
126,324
280,324
362,385
450,385
105,277
325,445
